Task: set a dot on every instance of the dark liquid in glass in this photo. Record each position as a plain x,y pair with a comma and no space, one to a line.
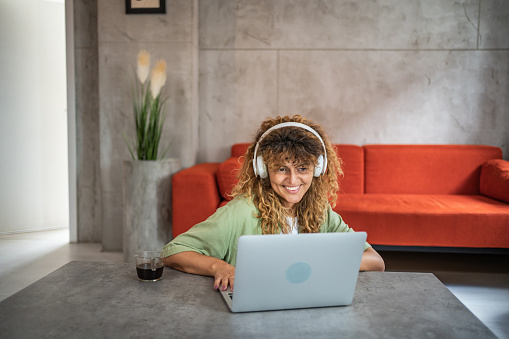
146,273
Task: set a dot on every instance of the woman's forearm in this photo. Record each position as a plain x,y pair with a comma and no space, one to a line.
372,261
191,262
196,263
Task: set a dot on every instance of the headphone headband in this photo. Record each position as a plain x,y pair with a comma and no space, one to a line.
290,124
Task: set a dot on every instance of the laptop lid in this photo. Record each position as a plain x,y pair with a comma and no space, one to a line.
296,271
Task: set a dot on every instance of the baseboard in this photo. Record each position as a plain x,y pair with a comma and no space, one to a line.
35,230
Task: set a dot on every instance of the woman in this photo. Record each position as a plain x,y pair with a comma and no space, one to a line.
287,184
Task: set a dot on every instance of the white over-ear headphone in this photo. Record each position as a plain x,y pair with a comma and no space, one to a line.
259,166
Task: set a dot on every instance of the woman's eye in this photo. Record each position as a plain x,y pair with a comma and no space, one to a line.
303,169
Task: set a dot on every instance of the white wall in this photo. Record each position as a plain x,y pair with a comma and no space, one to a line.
33,121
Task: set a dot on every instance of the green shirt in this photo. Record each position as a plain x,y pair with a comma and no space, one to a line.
218,235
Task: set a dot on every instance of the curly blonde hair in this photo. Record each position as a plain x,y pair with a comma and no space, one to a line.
300,146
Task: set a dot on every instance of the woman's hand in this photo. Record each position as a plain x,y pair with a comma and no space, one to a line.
196,263
224,275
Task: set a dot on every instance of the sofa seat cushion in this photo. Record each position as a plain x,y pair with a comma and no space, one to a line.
427,220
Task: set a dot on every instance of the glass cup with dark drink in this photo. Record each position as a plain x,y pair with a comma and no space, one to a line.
149,265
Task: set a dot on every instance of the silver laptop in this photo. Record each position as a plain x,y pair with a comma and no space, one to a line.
275,272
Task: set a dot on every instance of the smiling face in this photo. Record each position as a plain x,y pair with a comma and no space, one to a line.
291,180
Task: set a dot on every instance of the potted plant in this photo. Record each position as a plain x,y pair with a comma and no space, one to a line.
147,176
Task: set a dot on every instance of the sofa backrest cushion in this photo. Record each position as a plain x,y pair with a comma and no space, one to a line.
426,169
228,170
239,150
351,155
227,176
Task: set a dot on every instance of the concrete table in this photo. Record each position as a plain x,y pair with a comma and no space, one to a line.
106,300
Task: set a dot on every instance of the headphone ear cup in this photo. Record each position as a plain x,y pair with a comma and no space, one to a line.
261,169
319,167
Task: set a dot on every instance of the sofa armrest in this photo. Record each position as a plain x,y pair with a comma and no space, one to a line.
195,196
494,181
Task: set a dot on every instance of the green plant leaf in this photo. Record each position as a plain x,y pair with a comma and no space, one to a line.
149,116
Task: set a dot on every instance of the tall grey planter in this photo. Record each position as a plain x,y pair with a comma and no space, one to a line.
147,205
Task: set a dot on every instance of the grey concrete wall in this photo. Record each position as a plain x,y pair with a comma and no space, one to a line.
386,71
87,122
169,36
107,43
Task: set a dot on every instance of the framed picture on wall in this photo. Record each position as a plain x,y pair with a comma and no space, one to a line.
145,6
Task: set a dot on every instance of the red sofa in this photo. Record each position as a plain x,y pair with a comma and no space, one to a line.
401,195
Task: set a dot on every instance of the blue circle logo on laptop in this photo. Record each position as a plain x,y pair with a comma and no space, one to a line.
298,272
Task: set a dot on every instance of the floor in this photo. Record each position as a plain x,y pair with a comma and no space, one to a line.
479,281
27,257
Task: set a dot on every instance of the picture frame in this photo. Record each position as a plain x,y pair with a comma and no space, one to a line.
145,6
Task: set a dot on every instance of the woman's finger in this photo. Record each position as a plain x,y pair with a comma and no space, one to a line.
217,283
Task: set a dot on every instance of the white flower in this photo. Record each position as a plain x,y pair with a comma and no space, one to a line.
143,65
158,78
